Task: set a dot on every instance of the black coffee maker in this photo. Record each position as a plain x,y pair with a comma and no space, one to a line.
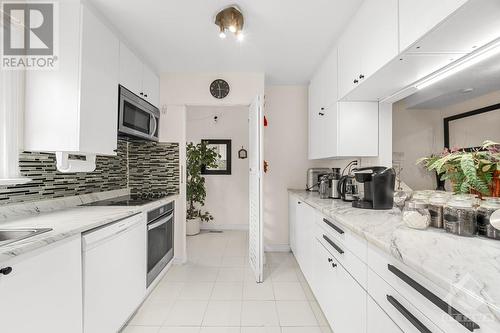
377,191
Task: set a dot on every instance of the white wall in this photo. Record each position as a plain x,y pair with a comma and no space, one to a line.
286,151
227,195
193,88
173,129
419,133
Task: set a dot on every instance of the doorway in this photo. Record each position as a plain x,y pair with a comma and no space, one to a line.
227,193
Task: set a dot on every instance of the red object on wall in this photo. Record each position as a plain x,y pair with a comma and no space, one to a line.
265,121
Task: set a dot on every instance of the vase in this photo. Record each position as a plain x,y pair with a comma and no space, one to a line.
440,183
495,186
193,226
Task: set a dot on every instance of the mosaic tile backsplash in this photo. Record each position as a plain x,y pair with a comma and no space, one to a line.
142,166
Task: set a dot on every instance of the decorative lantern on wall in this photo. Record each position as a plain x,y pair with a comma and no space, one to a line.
242,153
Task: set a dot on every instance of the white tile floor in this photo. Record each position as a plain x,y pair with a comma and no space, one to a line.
215,292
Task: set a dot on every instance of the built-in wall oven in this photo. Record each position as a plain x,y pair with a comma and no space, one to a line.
136,117
160,240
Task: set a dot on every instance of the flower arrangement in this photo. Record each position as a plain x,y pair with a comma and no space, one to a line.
470,171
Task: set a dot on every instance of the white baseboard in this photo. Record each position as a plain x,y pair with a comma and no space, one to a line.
209,226
277,248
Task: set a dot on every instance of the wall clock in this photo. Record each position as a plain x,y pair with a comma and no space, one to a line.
219,88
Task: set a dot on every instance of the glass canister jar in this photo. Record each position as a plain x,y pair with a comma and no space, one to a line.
416,215
421,195
459,216
436,207
484,212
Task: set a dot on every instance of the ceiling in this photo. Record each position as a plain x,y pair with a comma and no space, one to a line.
482,78
285,39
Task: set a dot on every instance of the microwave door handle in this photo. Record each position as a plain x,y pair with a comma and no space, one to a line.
155,124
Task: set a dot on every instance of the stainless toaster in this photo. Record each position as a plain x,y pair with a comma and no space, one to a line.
313,177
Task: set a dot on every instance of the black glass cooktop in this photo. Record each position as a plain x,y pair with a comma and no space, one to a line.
130,200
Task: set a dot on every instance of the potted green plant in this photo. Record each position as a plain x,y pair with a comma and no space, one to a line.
470,171
197,156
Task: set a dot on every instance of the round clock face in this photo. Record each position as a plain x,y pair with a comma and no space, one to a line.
219,88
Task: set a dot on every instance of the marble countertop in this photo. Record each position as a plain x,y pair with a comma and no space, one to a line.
467,267
64,222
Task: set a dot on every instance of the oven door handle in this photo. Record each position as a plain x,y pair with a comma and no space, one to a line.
160,222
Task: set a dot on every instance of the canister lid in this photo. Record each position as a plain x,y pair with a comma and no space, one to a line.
491,202
417,204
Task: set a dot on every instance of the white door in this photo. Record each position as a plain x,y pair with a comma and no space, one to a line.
256,163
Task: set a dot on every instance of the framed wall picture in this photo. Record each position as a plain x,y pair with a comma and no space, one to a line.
223,148
468,130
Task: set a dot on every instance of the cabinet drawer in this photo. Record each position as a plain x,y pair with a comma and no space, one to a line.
399,309
346,238
430,299
346,258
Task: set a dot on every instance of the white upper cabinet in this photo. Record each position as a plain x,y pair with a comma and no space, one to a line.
334,127
130,70
357,129
138,77
369,42
323,97
468,25
416,18
150,86
75,107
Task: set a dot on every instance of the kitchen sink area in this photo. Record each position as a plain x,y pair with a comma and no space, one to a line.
8,236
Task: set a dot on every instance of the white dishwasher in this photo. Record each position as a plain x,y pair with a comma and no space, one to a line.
114,273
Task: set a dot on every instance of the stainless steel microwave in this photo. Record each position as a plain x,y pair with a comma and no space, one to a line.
136,117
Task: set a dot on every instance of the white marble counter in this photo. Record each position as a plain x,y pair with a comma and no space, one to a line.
64,222
469,268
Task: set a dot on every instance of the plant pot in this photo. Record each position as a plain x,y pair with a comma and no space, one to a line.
193,226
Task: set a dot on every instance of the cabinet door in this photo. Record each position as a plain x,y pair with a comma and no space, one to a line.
378,43
358,129
150,86
349,61
324,285
99,86
43,293
341,298
314,118
130,70
329,132
293,202
305,223
378,321
415,18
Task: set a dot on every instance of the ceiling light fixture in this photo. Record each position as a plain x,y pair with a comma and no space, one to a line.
230,19
464,63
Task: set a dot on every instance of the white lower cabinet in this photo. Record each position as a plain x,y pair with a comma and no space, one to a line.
341,298
404,313
378,321
292,217
43,292
304,237
353,282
